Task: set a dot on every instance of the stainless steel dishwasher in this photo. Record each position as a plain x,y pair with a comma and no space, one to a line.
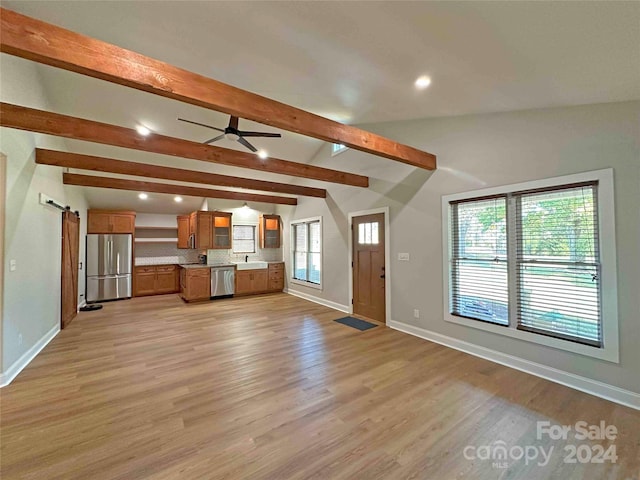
222,281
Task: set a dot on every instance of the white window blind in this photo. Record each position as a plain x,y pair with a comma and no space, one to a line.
244,238
479,276
307,251
558,266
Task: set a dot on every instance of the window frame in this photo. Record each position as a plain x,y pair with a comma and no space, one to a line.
338,148
292,225
606,230
255,238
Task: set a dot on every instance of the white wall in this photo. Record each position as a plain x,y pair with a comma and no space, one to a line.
474,152
32,234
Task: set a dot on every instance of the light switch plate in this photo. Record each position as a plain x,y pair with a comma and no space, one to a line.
403,257
12,265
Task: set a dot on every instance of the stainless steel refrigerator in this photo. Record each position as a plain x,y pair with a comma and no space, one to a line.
108,267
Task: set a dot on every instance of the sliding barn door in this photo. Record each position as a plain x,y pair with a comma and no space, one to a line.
70,253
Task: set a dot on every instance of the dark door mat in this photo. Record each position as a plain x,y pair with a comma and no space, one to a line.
356,323
90,308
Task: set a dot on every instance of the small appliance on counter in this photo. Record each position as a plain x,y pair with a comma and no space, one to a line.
202,259
108,267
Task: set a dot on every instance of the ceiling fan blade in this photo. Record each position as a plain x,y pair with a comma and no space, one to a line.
233,122
259,134
219,137
201,124
247,144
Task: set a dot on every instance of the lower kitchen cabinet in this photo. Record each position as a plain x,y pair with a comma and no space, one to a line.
276,277
155,280
251,281
264,280
195,284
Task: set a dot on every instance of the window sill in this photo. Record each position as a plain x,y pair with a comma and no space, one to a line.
608,354
317,286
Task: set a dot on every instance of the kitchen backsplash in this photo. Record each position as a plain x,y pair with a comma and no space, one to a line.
163,254
168,253
265,255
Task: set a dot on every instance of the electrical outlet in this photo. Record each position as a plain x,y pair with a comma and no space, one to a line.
403,257
20,339
416,313
12,265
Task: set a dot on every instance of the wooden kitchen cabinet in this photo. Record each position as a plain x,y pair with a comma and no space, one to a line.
270,231
204,230
221,222
183,231
249,282
110,221
276,277
195,284
155,280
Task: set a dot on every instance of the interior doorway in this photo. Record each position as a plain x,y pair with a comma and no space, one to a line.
70,254
368,265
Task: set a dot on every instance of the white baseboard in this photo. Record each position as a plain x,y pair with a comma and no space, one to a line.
12,372
577,382
321,301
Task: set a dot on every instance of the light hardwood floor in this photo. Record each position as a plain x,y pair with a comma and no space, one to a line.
270,387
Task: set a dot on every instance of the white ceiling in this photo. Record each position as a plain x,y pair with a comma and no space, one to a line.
351,61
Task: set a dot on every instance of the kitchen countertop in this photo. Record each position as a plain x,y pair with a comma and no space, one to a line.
200,265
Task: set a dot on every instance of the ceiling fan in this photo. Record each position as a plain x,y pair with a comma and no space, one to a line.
232,133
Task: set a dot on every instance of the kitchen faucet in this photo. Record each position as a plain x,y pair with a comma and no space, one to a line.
246,258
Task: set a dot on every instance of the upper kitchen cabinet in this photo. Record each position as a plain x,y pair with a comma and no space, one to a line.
221,229
110,221
183,231
270,231
204,230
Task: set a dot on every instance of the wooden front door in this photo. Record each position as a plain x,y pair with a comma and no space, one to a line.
369,266
70,253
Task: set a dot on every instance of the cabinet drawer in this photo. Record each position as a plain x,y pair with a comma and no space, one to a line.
165,268
276,275
274,267
198,272
146,269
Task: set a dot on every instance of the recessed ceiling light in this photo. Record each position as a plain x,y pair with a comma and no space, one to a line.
262,154
422,82
177,199
143,196
142,130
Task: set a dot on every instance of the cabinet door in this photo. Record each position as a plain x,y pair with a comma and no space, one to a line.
260,282
145,281
98,223
198,288
221,230
122,223
204,231
166,282
270,229
244,282
183,231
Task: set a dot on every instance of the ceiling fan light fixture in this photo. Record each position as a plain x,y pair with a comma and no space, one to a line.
232,136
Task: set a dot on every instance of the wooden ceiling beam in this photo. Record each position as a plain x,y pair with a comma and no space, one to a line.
42,42
153,187
109,165
25,118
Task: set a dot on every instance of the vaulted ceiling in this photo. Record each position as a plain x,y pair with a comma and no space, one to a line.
354,62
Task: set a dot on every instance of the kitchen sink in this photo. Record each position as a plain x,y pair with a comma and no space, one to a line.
251,265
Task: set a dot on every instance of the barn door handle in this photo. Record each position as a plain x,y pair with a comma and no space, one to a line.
383,276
